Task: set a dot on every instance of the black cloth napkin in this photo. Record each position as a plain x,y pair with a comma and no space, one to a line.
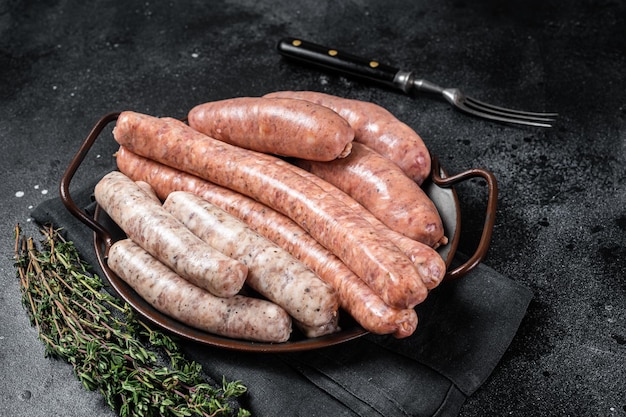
465,327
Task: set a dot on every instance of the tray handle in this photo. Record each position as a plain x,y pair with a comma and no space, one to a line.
490,215
64,187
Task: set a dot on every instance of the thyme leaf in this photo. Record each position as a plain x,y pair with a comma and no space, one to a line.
138,370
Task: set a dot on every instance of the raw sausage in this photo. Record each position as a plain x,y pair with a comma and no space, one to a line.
238,317
147,188
280,126
355,296
352,239
272,271
384,190
149,225
321,330
377,128
429,264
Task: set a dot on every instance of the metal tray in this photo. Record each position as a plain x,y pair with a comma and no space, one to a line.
440,188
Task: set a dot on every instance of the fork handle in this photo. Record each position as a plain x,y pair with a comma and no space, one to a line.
345,63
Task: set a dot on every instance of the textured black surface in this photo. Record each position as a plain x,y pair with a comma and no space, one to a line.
561,223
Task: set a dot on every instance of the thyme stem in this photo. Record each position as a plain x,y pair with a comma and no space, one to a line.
139,371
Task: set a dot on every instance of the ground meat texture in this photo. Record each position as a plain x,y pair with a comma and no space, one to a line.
318,331
430,265
147,188
148,224
377,128
238,317
277,126
355,296
265,178
272,271
384,190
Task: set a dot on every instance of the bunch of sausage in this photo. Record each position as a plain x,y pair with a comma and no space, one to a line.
264,213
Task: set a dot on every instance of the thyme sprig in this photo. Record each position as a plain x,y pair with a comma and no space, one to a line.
139,371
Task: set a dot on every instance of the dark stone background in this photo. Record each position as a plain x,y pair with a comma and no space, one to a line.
561,221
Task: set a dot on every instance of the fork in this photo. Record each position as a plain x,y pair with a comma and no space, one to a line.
405,81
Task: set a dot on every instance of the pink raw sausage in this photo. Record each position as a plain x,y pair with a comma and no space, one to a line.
279,126
374,259
377,128
355,296
384,190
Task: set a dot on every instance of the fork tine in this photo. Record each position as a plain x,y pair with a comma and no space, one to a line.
510,115
511,112
488,111
499,116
